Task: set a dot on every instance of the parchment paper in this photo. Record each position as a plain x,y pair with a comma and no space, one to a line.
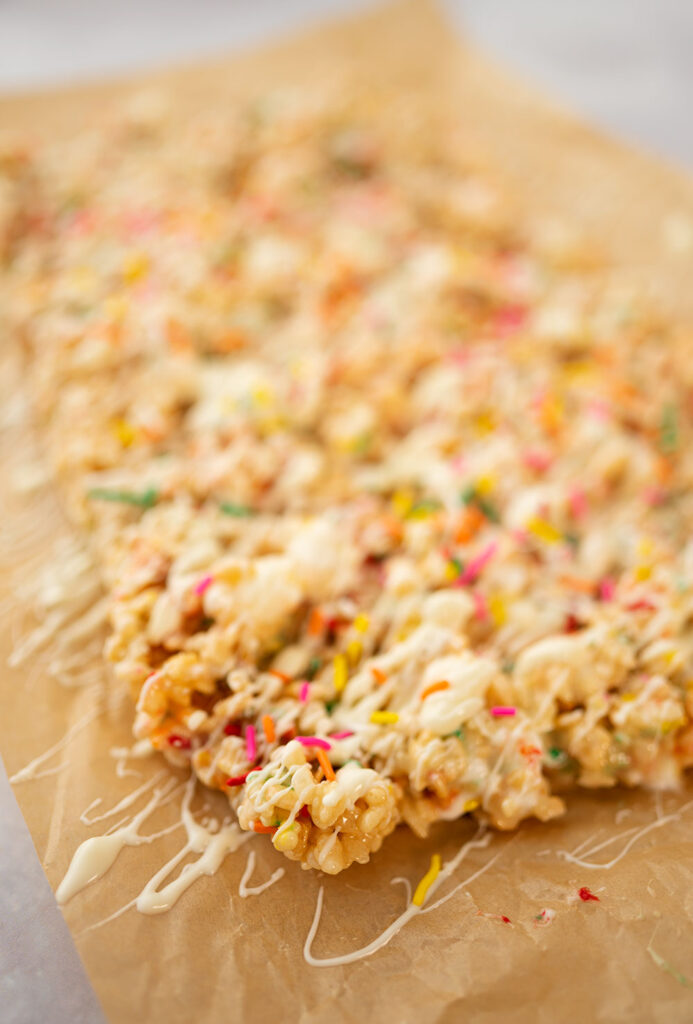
219,957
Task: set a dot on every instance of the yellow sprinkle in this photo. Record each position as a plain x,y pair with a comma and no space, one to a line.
645,547
204,758
135,267
361,623
671,725
543,530
485,423
669,657
627,696
643,573
427,881
471,805
485,485
384,718
354,651
402,501
452,571
341,672
125,432
551,413
498,609
262,397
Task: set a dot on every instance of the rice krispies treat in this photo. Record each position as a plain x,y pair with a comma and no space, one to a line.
392,500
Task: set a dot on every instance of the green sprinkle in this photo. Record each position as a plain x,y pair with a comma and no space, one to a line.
314,666
488,509
555,752
459,733
668,429
145,499
424,507
230,508
330,705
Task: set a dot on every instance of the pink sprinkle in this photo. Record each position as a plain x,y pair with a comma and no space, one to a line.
460,356
500,711
458,463
537,460
314,741
481,606
205,582
654,495
250,744
304,692
578,503
477,564
509,319
343,735
519,536
607,589
599,408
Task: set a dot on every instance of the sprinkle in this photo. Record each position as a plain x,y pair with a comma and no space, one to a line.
503,711
435,688
231,508
324,762
314,741
498,609
268,728
279,675
304,692
578,503
232,729
125,432
143,499
666,966
316,622
668,429
470,805
427,881
264,830
477,564
423,509
237,780
204,583
354,651
343,735
480,606
250,743
341,672
453,569
607,589
379,676
537,460
179,742
643,573
314,666
361,623
384,717
585,895
543,530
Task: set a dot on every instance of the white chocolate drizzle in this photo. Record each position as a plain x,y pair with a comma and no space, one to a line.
245,890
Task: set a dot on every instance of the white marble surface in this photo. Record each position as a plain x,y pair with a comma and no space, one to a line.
626,64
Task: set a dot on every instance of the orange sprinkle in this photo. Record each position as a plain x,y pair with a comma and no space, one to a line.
316,622
471,521
268,728
280,675
392,527
325,764
379,676
443,684
264,830
579,583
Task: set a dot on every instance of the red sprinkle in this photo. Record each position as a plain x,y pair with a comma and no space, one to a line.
585,895
505,919
237,780
232,729
179,742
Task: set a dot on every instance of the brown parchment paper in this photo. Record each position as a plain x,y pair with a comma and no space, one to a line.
217,957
